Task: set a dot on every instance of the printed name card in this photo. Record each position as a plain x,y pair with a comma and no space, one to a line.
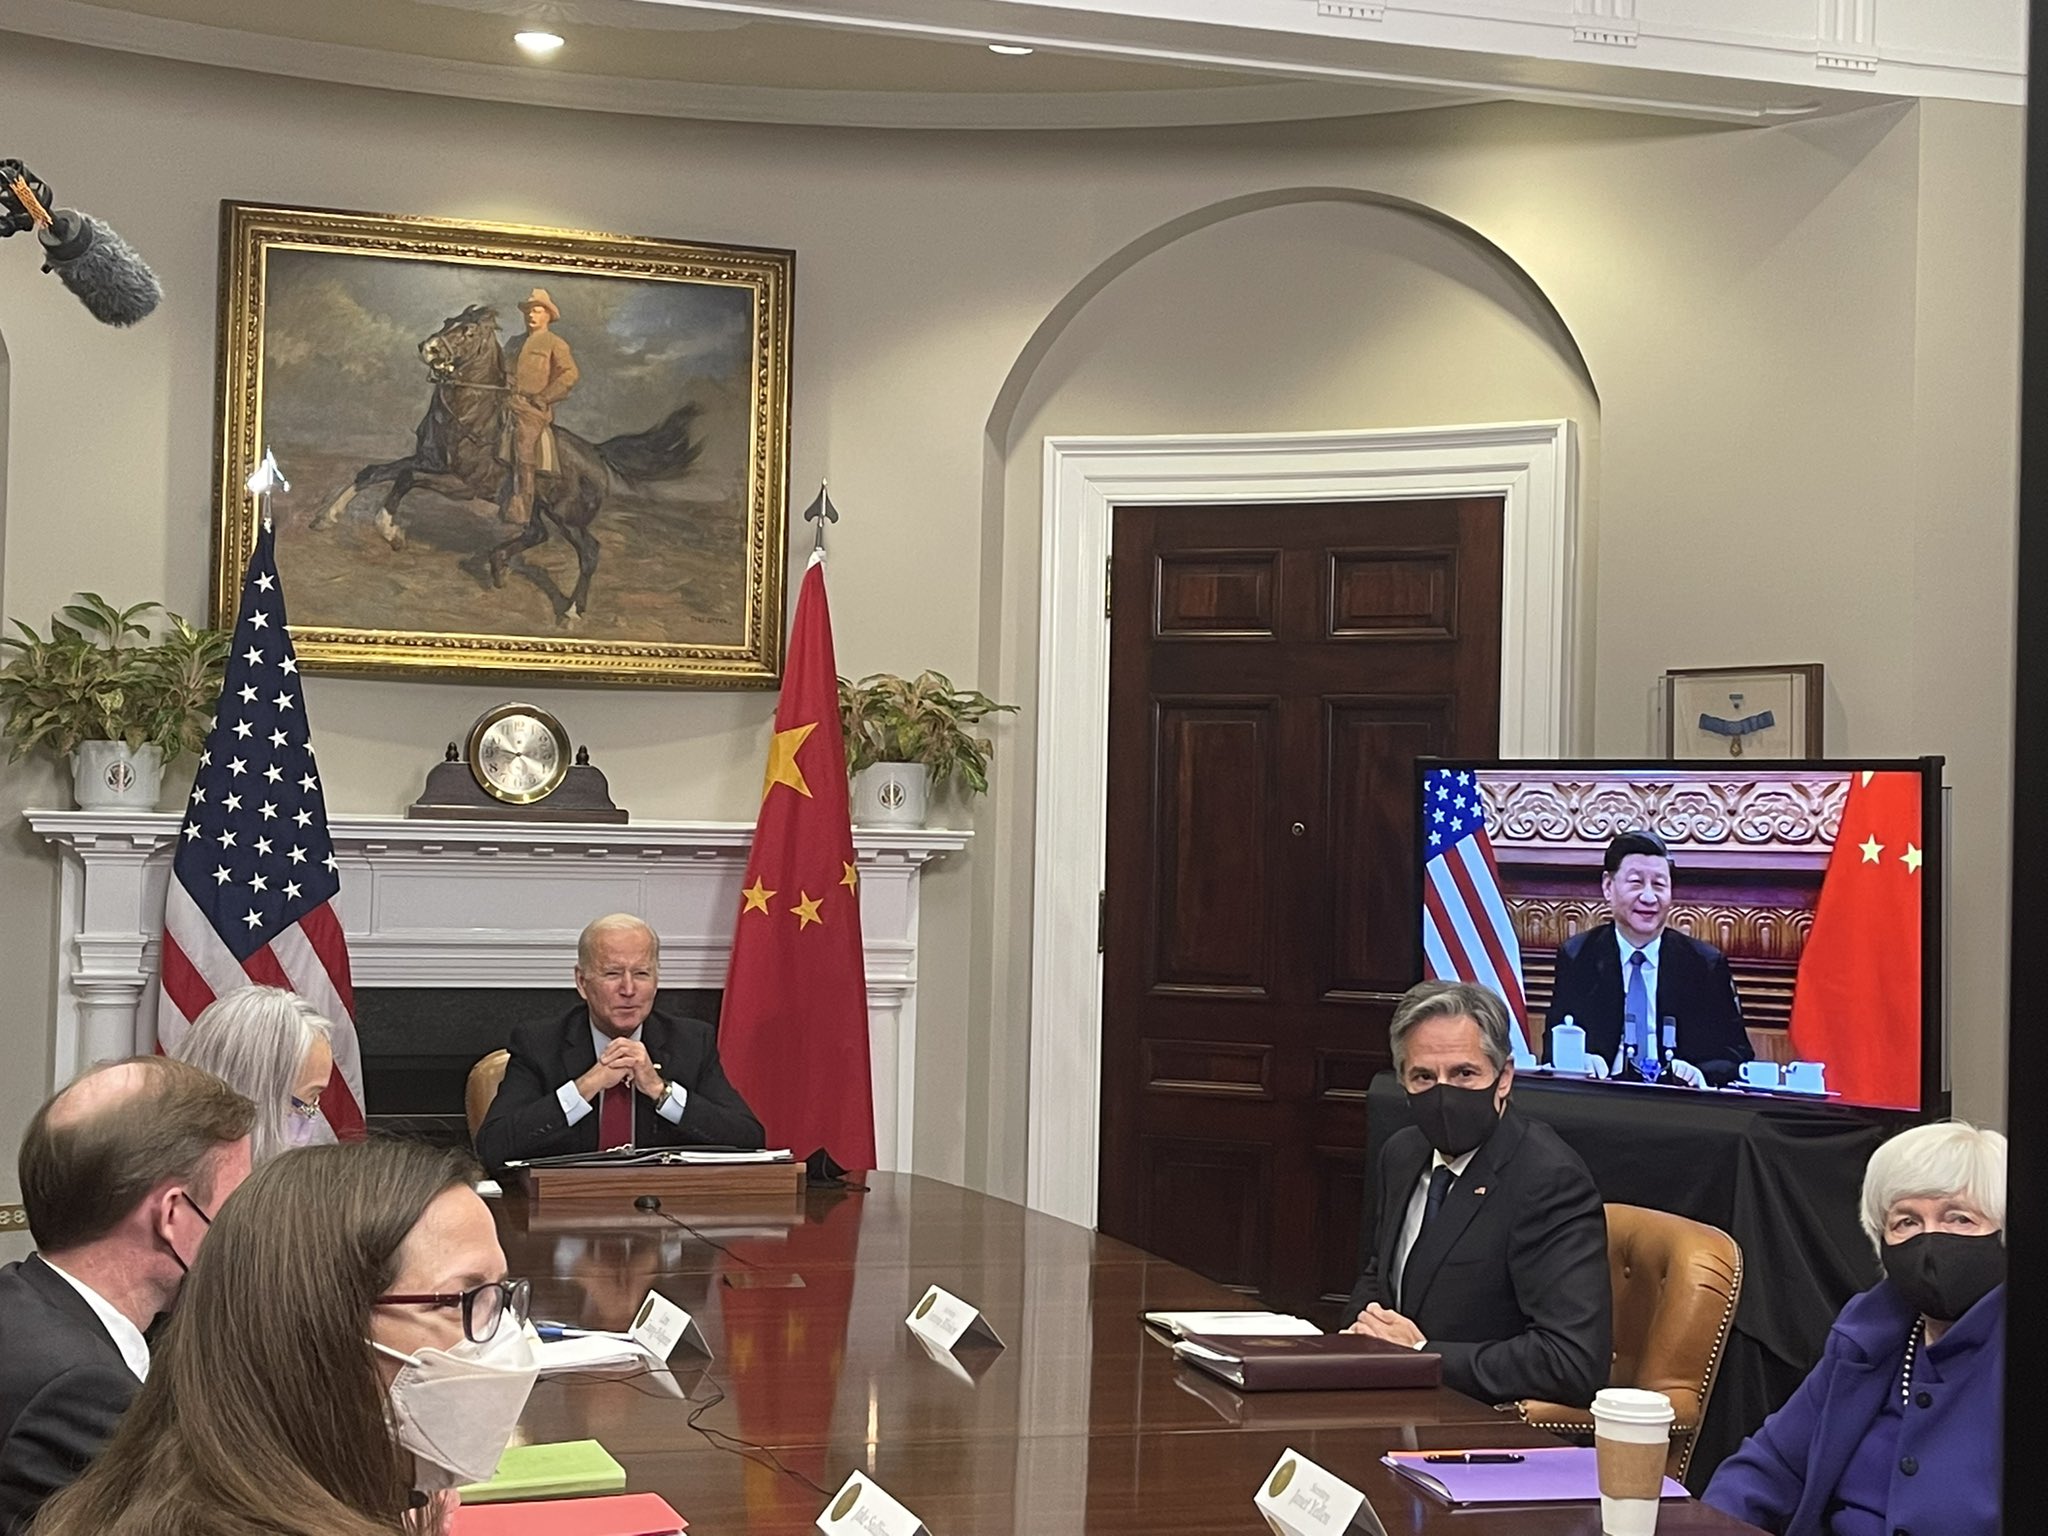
947,1321
660,1325
1299,1498
860,1508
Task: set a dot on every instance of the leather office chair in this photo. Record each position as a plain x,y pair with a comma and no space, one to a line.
1676,1283
482,1087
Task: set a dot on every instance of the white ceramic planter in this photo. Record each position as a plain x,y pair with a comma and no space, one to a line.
112,776
891,795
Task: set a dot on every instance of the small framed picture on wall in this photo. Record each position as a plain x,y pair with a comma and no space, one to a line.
1748,713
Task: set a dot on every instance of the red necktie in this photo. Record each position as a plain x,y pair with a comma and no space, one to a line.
615,1117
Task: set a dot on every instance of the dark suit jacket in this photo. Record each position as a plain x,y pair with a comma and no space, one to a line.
1509,1282
63,1388
1694,987
526,1119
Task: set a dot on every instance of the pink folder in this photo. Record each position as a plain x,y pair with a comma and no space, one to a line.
1549,1474
620,1514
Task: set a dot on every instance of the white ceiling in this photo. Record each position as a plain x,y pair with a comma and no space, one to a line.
811,63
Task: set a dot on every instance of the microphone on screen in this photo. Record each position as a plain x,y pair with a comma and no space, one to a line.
97,265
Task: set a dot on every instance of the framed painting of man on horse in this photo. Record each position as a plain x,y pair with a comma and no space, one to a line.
510,449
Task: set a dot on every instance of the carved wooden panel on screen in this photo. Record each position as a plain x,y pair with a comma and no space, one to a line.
1274,673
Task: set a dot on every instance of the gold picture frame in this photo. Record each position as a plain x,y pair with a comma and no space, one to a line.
1745,714
659,485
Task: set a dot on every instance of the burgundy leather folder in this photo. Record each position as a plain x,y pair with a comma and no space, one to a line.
1257,1362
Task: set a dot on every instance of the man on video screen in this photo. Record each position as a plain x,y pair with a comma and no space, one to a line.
1634,971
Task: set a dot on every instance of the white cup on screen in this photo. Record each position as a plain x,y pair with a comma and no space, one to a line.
1568,1047
1762,1074
1806,1077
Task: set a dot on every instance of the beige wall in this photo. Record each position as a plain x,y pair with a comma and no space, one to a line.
1801,339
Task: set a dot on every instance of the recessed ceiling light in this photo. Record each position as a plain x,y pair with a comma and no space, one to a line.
537,44
1010,50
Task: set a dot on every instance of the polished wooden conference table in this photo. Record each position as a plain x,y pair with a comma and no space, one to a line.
1081,1422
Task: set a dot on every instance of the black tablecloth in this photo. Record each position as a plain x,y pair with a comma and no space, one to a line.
1784,1179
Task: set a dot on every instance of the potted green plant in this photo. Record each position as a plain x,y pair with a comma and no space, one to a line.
103,692
908,736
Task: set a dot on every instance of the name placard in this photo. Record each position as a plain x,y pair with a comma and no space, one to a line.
861,1508
660,1325
946,1320
1299,1498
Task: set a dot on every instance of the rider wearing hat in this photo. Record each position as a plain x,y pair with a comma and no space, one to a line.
542,374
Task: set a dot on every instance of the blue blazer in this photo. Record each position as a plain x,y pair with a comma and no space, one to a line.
1785,1475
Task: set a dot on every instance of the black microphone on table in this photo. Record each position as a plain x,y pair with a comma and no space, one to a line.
97,265
647,1203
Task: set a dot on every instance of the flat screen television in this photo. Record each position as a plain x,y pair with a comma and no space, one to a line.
1763,932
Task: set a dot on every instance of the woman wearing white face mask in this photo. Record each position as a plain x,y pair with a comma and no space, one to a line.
346,1340
275,1049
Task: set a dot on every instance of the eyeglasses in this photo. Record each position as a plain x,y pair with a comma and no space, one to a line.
483,1308
306,1110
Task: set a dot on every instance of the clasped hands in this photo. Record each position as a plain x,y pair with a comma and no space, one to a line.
1386,1324
623,1061
1684,1071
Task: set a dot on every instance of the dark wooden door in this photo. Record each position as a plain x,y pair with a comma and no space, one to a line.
1274,673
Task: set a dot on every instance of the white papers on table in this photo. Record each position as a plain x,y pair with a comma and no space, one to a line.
1179,1323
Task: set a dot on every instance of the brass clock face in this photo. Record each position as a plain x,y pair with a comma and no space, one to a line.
519,753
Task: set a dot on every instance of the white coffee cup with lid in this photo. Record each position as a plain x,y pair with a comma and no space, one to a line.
1632,1438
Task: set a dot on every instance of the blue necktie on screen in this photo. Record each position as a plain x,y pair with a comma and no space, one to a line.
1637,1008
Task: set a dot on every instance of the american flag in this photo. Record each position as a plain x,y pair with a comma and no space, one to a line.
251,896
1467,934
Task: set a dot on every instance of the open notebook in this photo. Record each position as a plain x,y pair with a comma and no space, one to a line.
641,1157
1180,1324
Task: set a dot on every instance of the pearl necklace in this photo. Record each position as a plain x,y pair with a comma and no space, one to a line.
1906,1375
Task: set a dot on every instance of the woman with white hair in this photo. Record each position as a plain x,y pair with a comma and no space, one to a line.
1896,1431
273,1048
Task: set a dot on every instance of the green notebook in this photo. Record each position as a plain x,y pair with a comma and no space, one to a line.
542,1471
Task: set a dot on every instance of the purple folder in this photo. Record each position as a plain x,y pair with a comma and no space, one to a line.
1550,1474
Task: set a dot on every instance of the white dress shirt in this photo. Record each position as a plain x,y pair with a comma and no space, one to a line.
575,1106
1418,1206
126,1336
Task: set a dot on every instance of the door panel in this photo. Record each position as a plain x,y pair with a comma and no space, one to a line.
1412,594
1232,1068
1367,923
1339,1196
1216,765
1204,593
1274,673
1207,1199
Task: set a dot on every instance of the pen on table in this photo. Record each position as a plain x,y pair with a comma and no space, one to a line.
1474,1458
550,1332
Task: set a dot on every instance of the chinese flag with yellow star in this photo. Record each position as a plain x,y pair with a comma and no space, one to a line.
793,1028
1856,1002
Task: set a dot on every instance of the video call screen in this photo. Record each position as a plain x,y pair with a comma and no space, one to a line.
1756,931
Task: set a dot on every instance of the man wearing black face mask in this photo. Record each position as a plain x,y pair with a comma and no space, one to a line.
1486,1238
1896,1432
120,1174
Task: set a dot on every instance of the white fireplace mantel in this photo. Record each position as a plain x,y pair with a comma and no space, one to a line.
483,904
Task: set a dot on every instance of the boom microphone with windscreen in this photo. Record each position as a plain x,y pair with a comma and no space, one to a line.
96,264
